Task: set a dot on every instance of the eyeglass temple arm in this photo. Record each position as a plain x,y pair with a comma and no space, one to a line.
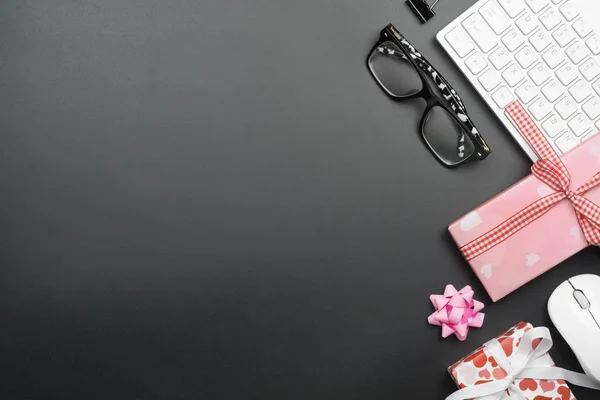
436,76
390,52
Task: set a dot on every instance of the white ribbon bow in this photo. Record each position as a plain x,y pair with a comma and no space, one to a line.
525,362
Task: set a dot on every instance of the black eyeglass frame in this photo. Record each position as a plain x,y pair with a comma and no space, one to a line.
451,102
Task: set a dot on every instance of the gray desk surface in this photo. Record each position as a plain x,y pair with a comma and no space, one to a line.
213,200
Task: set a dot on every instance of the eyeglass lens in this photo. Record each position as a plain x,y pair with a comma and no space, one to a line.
446,137
393,71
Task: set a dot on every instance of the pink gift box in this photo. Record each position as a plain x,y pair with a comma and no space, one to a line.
542,244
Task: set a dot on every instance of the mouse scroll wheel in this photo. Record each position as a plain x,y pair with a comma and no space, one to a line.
581,299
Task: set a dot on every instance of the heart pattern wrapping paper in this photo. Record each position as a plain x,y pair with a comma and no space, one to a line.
479,367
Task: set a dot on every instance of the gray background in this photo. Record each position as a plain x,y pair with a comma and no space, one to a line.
213,200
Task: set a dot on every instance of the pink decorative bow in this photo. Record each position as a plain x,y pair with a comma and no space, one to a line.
456,311
550,170
588,213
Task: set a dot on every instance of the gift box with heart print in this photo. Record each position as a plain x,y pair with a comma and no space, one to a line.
480,367
543,243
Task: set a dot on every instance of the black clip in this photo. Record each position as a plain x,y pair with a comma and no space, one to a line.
421,9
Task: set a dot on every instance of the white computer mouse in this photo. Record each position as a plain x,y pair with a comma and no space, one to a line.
574,308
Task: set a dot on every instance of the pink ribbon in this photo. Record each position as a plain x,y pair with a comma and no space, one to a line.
456,311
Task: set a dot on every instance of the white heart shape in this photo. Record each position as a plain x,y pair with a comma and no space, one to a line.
470,221
575,232
532,259
486,270
544,190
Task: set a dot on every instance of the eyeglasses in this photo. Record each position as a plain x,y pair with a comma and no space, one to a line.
404,74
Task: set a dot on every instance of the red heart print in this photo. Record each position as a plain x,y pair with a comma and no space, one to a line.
499,373
521,325
471,356
482,382
535,343
507,345
494,363
509,332
528,384
547,385
565,393
542,398
479,359
485,373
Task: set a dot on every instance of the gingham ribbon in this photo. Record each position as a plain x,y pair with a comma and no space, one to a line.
550,170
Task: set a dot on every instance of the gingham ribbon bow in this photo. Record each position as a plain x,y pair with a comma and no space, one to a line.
550,170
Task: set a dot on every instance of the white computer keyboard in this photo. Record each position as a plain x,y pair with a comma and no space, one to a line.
541,52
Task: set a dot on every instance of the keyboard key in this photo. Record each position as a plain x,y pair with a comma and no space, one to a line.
539,74
597,124
512,7
540,40
550,18
553,57
553,125
476,63
593,43
480,32
567,74
566,107
582,28
579,124
553,90
489,80
592,108
513,75
596,86
512,40
537,5
526,57
590,69
569,11
540,108
502,97
494,16
526,92
460,42
566,142
580,91
500,57
577,52
527,23
564,35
